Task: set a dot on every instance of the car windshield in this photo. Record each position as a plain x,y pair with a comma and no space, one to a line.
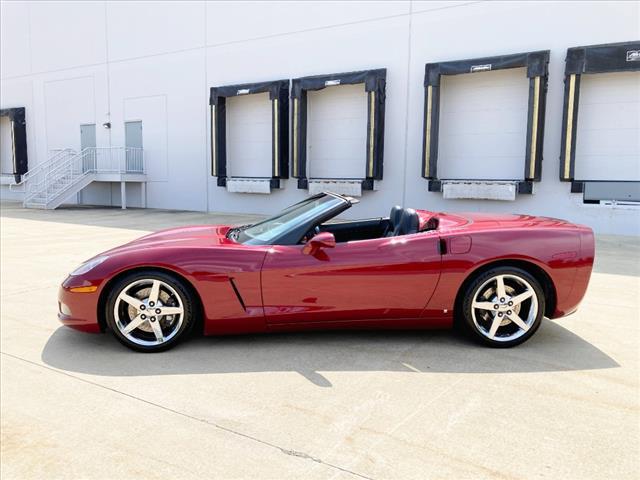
267,231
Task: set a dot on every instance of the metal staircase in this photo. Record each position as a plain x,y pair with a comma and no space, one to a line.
67,172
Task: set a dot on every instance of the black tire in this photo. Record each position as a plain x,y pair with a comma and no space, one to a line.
171,288
478,322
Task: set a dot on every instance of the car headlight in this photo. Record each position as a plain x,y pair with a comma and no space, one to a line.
89,265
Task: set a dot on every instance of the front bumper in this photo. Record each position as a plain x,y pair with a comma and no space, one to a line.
78,310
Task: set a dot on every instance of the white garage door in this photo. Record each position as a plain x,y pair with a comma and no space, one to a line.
6,146
483,125
337,132
608,133
249,136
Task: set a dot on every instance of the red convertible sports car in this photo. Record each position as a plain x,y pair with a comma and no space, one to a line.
495,276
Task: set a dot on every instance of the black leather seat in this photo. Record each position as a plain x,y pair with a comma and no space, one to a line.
409,223
394,220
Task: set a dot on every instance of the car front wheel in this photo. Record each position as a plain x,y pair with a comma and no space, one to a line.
503,307
149,311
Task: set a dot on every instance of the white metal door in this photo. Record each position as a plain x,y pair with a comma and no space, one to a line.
133,139
88,140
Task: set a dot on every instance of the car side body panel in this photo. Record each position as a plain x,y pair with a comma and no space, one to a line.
380,279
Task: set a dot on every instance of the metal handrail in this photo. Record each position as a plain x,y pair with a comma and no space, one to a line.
43,185
87,161
52,175
59,153
67,186
116,159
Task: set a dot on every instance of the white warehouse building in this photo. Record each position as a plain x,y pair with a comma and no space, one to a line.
528,107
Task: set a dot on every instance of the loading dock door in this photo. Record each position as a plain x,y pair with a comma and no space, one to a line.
322,132
14,142
249,128
489,114
608,133
6,146
336,132
601,121
258,148
483,125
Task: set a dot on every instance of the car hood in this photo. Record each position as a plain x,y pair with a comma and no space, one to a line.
192,236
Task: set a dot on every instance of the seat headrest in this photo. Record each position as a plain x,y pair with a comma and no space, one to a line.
409,222
395,214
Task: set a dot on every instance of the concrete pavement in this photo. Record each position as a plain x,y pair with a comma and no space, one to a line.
381,405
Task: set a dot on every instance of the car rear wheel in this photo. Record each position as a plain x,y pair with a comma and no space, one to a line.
503,307
150,311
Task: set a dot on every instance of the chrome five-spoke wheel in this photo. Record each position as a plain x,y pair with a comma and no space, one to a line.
148,313
504,306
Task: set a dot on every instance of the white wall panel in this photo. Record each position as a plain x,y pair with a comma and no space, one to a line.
234,21
483,125
608,133
249,143
85,105
152,112
67,34
424,5
337,132
99,193
137,29
168,93
68,104
133,192
15,52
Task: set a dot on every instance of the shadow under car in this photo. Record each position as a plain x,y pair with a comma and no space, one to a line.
553,348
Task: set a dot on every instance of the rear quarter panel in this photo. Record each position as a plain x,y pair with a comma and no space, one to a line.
565,254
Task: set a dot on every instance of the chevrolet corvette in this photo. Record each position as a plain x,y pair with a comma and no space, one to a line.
493,275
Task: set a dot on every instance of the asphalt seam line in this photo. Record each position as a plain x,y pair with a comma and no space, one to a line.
293,453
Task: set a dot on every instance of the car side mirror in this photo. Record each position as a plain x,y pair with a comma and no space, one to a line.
318,242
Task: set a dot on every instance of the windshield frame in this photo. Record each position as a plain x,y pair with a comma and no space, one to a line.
294,235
